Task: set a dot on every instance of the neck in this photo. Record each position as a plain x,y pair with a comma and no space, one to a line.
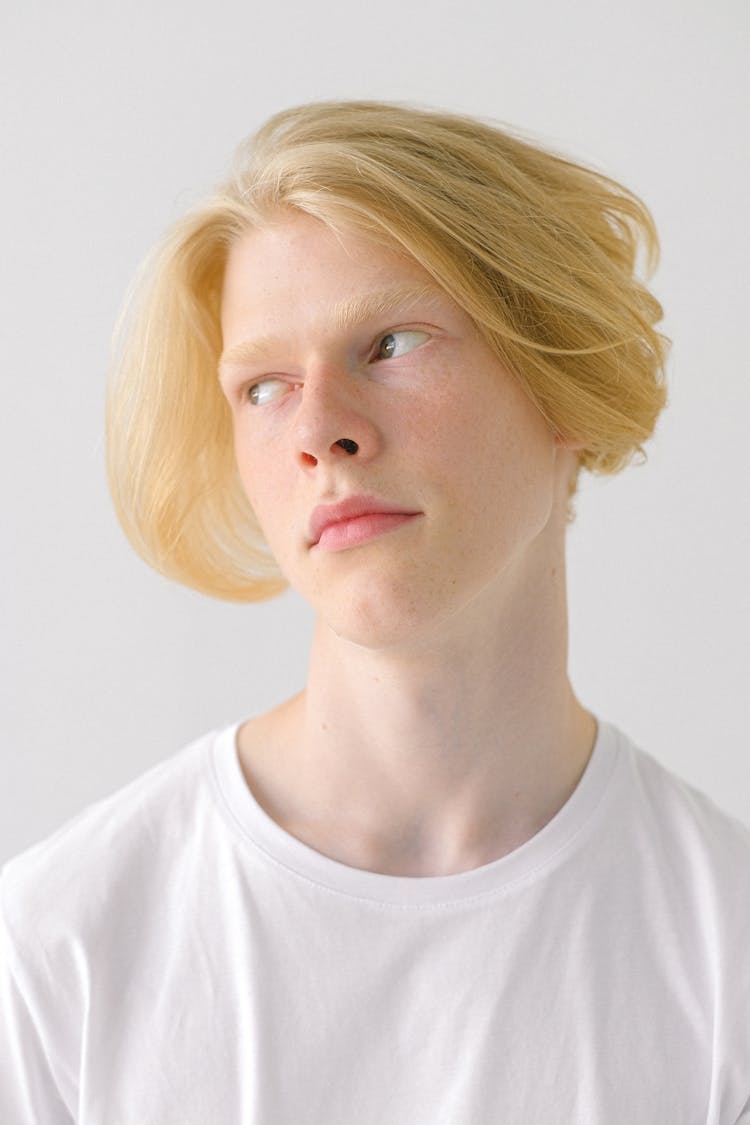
439,755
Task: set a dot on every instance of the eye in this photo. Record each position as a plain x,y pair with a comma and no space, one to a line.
394,344
267,390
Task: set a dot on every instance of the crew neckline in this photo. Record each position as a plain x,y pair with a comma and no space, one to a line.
548,847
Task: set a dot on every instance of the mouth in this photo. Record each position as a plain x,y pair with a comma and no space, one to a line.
334,527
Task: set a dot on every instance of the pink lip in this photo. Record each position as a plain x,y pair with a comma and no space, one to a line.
353,520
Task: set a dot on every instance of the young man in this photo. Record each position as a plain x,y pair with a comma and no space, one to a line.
433,887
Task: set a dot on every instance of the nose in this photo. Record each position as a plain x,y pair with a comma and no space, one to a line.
332,421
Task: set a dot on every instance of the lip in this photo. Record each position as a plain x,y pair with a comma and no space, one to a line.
326,515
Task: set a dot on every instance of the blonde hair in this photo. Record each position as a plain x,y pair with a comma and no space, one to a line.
541,252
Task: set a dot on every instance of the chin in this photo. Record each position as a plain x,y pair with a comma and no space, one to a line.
371,625
386,618
370,610
403,604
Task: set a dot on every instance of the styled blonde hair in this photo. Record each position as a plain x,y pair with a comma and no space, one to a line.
540,252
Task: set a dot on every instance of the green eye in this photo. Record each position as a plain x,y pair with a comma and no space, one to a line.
394,344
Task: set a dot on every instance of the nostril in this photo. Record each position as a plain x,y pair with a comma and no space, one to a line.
309,460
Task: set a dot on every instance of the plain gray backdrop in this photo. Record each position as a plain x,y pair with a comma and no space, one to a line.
115,119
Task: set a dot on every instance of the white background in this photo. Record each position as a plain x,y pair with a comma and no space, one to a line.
115,119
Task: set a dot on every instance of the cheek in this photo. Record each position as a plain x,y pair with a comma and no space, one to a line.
462,429
267,480
496,451
244,460
255,468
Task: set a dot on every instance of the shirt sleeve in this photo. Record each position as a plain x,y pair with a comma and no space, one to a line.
28,1092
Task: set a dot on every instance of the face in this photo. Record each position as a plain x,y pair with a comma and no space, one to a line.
400,475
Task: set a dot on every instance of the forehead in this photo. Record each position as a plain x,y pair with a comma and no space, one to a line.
298,267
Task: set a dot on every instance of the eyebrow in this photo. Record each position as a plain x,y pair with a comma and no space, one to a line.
346,314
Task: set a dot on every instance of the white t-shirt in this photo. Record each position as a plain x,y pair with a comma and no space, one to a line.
172,956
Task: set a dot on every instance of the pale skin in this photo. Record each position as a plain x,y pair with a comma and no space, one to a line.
438,729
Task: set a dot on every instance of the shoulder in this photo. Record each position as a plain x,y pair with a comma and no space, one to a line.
684,833
682,868
64,881
682,808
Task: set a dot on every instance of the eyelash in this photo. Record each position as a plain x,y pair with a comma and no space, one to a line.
373,357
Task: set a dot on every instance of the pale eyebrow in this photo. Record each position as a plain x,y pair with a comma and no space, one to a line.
346,314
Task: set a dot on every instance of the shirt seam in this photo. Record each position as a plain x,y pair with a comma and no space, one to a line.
470,900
